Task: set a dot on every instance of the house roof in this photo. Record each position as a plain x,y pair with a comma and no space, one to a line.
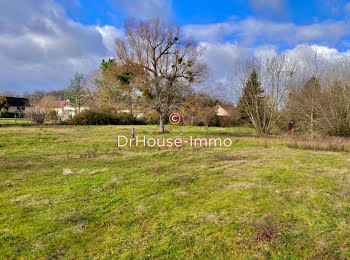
16,102
227,107
61,104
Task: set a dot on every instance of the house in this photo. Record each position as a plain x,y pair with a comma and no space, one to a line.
225,109
66,111
135,114
14,105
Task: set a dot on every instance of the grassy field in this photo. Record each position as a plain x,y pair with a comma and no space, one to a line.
68,193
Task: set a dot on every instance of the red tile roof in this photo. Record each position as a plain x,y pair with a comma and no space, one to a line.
61,103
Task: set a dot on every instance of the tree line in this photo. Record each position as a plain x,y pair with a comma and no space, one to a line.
274,91
157,70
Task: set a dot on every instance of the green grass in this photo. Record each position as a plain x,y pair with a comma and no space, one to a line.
258,199
12,121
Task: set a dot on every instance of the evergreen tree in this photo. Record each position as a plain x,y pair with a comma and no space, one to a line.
75,92
250,102
107,64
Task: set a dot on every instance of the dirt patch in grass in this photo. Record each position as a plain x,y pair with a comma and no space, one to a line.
267,229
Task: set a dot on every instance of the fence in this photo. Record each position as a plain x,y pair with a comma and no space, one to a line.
15,121
22,121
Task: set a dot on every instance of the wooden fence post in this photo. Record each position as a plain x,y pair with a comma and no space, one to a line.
132,133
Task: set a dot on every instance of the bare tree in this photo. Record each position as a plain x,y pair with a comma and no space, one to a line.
199,108
307,99
91,86
164,62
335,101
41,108
304,106
206,109
262,87
9,94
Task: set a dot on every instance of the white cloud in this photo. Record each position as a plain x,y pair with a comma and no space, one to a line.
210,32
109,35
304,55
266,51
145,8
221,58
323,31
269,7
251,30
41,48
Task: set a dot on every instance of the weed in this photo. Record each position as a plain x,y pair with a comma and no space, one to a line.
90,152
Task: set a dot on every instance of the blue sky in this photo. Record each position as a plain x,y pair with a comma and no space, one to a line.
300,13
107,12
44,42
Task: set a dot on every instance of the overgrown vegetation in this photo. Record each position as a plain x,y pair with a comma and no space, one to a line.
91,117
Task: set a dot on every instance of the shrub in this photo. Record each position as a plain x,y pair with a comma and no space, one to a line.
38,118
220,121
36,114
341,129
151,117
226,121
91,117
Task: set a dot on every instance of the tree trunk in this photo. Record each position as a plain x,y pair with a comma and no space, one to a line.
161,122
312,125
131,111
312,121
